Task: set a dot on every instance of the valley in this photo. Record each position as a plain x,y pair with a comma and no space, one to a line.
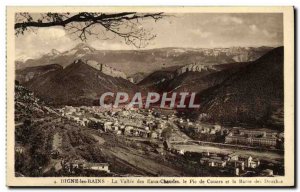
238,130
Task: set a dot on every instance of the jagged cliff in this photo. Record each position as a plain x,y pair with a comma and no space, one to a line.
106,69
194,67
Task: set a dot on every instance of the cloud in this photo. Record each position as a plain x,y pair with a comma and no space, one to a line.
230,20
183,30
34,44
200,33
110,45
253,28
269,34
51,33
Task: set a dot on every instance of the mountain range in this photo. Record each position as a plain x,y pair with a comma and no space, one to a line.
252,95
76,84
248,92
149,60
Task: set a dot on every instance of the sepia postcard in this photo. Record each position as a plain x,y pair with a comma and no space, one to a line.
150,96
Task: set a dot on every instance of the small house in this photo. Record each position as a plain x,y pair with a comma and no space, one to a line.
236,164
233,156
246,159
98,166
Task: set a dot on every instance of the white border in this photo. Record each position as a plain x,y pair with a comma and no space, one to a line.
3,3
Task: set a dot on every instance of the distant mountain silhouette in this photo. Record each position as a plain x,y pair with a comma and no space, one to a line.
147,61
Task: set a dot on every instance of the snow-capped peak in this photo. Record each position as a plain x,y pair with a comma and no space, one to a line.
84,47
53,52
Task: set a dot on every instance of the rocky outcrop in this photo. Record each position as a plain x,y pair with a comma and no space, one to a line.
106,69
194,67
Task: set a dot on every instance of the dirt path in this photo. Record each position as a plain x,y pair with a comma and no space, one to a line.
143,163
57,141
257,154
99,139
177,134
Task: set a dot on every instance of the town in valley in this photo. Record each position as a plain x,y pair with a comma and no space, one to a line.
182,146
229,66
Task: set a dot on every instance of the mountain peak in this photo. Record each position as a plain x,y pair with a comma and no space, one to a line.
84,47
53,52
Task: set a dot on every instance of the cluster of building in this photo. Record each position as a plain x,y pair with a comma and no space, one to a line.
238,136
131,123
76,114
150,124
198,127
72,166
128,122
262,137
233,162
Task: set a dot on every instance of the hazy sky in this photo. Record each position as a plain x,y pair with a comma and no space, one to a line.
197,30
